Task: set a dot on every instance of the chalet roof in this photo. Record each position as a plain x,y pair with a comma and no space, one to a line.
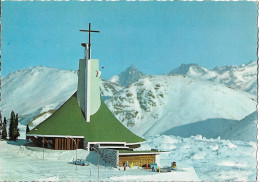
68,120
138,152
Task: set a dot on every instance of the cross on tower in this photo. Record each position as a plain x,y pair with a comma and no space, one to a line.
89,30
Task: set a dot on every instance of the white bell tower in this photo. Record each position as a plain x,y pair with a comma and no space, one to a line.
88,93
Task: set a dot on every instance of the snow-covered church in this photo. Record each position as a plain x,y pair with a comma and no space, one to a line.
84,121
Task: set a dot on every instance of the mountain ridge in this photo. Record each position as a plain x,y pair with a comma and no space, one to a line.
147,103
242,77
125,78
46,88
155,103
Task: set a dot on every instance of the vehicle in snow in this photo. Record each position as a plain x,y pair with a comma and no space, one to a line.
81,162
153,166
173,167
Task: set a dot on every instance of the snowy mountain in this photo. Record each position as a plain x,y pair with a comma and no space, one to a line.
193,101
36,91
151,105
127,77
189,69
155,104
108,89
241,77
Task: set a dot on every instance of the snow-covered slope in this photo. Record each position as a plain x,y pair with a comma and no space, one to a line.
28,90
151,105
209,128
127,77
243,130
33,91
109,89
155,104
243,77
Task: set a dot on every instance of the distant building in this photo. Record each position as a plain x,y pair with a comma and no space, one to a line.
84,121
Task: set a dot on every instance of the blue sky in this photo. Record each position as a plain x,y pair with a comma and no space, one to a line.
156,37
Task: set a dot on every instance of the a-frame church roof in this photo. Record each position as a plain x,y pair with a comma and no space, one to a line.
69,120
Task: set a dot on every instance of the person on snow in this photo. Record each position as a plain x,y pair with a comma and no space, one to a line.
132,165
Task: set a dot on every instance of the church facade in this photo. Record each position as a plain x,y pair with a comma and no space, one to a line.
84,121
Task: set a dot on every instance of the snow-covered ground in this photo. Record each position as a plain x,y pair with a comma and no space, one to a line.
197,158
212,159
35,164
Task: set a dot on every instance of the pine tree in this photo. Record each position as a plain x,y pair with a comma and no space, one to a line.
1,124
27,131
4,132
11,126
16,132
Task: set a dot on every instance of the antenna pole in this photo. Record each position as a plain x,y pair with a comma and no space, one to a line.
89,41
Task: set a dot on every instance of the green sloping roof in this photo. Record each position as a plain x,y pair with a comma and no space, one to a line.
68,120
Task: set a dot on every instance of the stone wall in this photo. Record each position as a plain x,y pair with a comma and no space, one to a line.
110,156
